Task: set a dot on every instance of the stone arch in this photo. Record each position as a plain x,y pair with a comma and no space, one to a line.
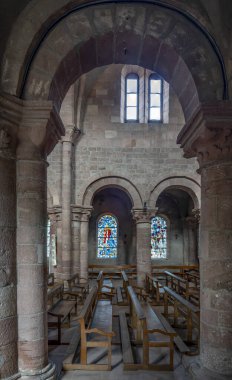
189,185
87,195
57,54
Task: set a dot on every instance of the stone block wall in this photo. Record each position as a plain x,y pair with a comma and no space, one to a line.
144,154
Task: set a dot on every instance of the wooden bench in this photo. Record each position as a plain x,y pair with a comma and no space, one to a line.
76,287
127,353
183,307
178,284
104,291
154,289
110,271
150,325
121,292
85,319
59,310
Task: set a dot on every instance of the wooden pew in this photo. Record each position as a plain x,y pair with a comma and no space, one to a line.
150,325
180,285
121,292
184,307
85,319
154,289
110,271
59,310
102,288
75,287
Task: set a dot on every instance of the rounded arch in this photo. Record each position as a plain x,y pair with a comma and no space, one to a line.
189,185
87,195
182,51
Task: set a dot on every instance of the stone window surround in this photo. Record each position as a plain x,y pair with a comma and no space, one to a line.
143,114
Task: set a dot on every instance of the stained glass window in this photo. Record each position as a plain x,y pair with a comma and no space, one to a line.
158,238
107,237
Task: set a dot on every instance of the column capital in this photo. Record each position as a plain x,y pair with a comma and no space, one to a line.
196,214
143,215
80,213
10,116
55,213
208,134
71,134
40,129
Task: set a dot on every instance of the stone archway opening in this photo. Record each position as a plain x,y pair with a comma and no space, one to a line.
178,207
112,201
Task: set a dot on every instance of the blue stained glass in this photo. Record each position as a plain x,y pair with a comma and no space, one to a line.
107,237
158,238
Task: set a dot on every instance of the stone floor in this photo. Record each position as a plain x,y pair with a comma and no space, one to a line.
57,354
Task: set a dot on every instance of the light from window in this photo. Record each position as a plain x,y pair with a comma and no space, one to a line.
107,237
155,97
131,101
158,238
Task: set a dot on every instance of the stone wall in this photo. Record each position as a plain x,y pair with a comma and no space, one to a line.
144,154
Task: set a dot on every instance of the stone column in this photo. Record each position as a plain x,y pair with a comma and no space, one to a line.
8,281
208,136
84,234
68,140
192,226
143,242
39,128
76,227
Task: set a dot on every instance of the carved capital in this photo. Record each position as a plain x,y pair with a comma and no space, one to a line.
10,115
80,213
39,131
6,147
72,133
86,213
143,215
55,214
197,214
208,134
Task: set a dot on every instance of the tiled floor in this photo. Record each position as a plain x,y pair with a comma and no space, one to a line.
57,354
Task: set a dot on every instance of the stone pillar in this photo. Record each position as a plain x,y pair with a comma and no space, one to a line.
39,127
68,140
143,242
8,281
84,234
208,135
76,229
192,226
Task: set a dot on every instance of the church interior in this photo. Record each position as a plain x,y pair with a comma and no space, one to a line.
115,189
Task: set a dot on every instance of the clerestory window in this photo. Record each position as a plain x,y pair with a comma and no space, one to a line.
132,97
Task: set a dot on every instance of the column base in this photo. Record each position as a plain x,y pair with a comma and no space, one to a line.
47,373
197,372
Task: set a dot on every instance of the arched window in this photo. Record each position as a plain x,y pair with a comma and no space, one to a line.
158,238
132,97
107,237
155,89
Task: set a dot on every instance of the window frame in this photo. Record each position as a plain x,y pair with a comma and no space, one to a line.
151,77
132,75
97,246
